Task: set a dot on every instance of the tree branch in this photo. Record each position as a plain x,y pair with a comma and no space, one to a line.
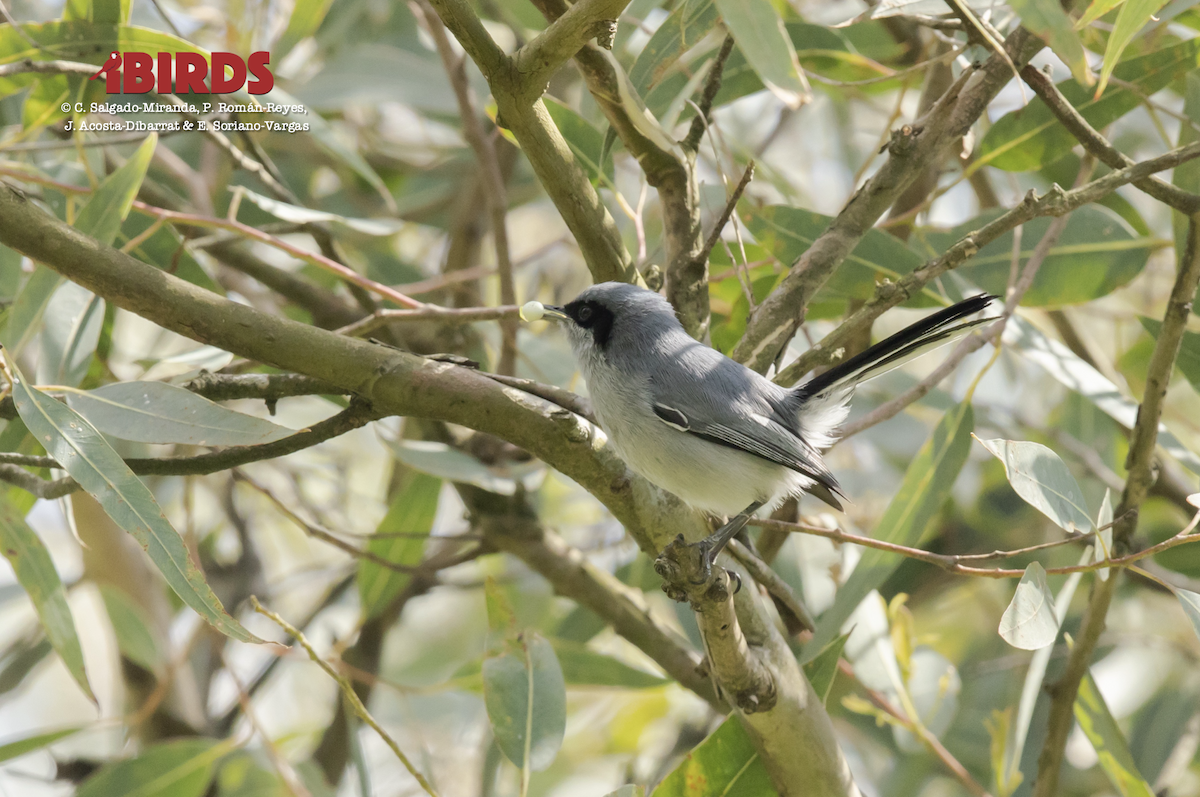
1141,467
552,160
911,148
1054,202
1097,145
537,61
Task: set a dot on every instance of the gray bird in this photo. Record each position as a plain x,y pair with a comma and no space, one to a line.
702,426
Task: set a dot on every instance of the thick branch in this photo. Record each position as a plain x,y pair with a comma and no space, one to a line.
553,162
1141,467
537,61
399,383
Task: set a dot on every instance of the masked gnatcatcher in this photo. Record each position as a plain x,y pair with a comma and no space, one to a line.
706,428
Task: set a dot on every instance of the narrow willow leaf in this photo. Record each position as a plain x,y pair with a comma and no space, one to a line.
1040,477
181,768
83,452
15,749
628,790
1101,729
822,669
1029,622
1096,254
28,308
1187,175
301,215
35,572
131,627
1050,22
926,486
20,659
759,32
584,140
582,666
502,620
306,17
724,763
684,27
1063,364
1191,607
109,204
400,538
1133,16
156,412
1031,137
1096,9
526,699
71,329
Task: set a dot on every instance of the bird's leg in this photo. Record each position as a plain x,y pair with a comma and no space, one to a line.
716,542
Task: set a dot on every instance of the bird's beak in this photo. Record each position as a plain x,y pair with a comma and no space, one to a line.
555,312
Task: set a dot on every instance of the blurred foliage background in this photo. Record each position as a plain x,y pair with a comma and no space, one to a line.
386,182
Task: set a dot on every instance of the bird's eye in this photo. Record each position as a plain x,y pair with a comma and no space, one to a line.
584,315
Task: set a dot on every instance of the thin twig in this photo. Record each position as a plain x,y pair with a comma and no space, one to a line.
494,191
712,85
348,692
430,312
714,235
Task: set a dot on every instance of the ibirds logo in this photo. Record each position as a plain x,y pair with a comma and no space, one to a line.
134,73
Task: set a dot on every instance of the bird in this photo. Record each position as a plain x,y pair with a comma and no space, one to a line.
720,436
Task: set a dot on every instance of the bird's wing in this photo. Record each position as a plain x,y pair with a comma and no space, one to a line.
754,433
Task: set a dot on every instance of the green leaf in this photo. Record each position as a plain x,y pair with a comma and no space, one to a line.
165,249
1188,361
788,232
28,308
443,461
43,104
1095,255
71,329
584,140
35,572
1029,622
97,10
759,32
1040,477
1187,175
1191,607
1134,15
1028,138
20,659
131,627
822,669
526,701
1096,9
1062,364
109,204
582,666
628,790
502,620
306,17
684,27
1050,22
18,748
1101,730
299,215
908,517
83,452
156,412
411,513
181,768
725,763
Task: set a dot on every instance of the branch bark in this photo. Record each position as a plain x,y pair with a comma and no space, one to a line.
1142,474
795,738
911,148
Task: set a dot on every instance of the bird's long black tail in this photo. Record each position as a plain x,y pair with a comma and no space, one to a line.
930,332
